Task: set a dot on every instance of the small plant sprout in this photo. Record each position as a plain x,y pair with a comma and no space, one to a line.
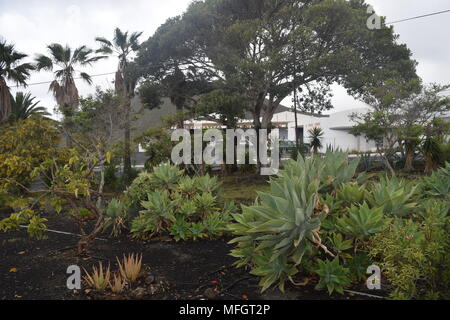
130,268
99,279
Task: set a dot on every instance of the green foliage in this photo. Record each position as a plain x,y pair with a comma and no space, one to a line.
116,217
158,146
277,232
165,176
438,184
394,195
23,147
361,222
351,194
158,210
333,276
184,207
358,265
413,256
35,224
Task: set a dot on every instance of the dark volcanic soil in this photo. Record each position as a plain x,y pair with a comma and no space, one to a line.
31,269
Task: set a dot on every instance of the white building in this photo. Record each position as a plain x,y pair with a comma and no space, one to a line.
335,126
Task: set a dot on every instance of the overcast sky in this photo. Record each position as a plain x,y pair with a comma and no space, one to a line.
33,24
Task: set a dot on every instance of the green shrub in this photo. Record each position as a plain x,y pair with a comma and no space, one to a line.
413,255
180,206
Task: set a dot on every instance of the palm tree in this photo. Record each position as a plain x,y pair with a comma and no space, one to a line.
24,107
316,136
63,87
10,69
122,46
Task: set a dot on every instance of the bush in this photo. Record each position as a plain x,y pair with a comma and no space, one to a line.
413,256
179,206
23,147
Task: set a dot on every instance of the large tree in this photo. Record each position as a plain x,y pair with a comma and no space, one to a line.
123,46
13,70
260,47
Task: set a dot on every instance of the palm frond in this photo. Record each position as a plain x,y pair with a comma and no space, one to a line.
120,38
86,77
58,53
104,42
44,63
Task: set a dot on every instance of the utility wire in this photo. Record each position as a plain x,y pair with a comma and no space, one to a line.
46,82
419,17
389,23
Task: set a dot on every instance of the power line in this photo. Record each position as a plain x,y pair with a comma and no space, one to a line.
389,23
419,17
47,82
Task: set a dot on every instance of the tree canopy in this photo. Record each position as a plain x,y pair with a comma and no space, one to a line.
265,49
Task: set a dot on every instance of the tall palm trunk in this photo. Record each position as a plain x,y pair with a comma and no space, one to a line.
5,101
127,144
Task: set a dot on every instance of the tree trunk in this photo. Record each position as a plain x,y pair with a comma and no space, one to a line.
409,161
127,146
429,164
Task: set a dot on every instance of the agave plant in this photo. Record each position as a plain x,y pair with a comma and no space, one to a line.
99,279
158,210
165,177
361,222
278,230
438,184
333,276
130,267
116,217
394,195
351,193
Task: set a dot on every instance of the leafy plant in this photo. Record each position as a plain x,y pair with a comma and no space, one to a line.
116,217
333,276
414,256
180,230
158,210
165,177
351,194
358,265
283,226
130,267
438,184
395,196
99,279
197,231
361,222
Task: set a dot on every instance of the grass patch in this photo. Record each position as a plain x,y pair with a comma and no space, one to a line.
243,190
